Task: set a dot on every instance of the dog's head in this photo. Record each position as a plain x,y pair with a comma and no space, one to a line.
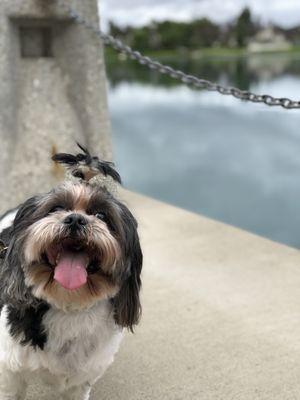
72,247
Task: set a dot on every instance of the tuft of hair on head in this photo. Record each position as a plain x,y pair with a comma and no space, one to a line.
85,166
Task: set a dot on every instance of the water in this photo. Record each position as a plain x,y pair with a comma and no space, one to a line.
235,162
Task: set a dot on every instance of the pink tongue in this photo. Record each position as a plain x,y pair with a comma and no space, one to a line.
70,271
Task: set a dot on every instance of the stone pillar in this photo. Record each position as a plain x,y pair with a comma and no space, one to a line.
53,93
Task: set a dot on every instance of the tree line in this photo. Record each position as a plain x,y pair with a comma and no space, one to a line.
171,35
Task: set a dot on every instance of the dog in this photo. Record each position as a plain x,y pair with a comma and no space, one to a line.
70,279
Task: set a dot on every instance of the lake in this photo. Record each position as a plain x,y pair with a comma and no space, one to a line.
232,161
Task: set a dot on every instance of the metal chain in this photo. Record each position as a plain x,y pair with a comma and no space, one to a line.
180,75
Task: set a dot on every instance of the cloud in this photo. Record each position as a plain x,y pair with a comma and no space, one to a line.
141,12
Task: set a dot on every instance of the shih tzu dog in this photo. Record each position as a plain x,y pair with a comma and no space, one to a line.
70,265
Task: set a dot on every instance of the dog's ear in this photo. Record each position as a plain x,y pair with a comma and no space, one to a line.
13,289
24,216
127,305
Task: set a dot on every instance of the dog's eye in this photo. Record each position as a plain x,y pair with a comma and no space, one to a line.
56,208
101,215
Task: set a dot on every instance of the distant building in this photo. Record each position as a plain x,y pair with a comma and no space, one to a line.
268,40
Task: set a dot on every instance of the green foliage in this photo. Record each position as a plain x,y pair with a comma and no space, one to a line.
244,28
195,35
169,35
203,33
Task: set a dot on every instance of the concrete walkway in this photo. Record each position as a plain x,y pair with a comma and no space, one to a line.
221,315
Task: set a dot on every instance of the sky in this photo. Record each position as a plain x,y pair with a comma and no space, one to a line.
140,12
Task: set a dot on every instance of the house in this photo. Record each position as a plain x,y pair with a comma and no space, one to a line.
268,40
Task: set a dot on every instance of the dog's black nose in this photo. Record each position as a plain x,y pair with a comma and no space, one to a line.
75,221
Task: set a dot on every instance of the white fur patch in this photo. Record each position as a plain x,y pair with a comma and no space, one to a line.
8,220
80,347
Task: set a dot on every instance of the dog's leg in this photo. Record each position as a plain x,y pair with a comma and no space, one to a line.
12,386
78,393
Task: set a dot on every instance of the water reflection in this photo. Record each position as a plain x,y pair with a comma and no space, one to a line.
232,161
236,71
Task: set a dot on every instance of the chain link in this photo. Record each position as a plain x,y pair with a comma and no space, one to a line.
190,80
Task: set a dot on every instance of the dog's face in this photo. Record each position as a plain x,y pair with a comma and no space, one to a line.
73,247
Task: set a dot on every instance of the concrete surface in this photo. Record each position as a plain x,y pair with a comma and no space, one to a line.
49,101
221,315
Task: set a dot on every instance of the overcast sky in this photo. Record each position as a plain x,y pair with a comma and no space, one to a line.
140,12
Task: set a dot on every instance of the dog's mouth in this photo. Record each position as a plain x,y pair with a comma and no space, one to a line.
72,262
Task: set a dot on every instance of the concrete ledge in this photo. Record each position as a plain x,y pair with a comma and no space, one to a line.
221,314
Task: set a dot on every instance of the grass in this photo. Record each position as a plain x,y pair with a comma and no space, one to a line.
214,52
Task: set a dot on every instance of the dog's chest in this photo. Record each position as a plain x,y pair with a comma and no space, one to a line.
80,341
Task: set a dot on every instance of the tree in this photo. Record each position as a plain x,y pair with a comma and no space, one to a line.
204,33
244,28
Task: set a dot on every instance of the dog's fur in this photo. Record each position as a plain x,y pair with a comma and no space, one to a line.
69,337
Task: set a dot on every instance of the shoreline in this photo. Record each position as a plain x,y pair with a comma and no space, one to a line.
204,53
